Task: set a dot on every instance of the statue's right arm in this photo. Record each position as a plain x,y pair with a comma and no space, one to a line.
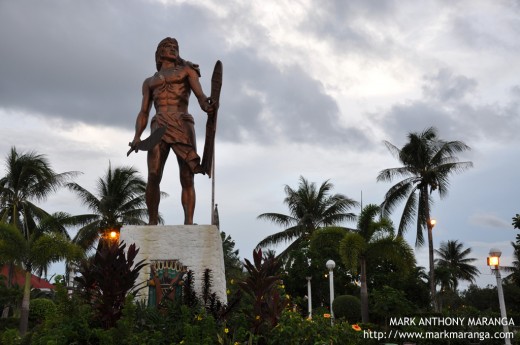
142,117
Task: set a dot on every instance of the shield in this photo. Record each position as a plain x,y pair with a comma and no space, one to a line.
211,123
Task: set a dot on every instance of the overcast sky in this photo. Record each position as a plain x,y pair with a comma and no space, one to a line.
311,88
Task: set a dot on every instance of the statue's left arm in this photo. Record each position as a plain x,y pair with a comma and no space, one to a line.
204,101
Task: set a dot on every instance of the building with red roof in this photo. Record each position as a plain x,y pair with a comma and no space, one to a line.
19,279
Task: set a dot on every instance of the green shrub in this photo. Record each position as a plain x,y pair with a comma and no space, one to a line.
41,308
10,337
347,307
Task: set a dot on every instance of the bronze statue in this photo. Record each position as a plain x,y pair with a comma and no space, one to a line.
169,90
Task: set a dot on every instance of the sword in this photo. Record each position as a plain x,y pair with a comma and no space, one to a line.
148,143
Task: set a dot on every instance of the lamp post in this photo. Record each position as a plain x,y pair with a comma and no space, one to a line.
431,224
309,296
330,265
493,260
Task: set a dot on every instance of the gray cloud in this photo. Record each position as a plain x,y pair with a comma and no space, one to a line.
87,62
489,220
444,106
445,87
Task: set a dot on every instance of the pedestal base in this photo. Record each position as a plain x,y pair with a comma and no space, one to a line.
197,247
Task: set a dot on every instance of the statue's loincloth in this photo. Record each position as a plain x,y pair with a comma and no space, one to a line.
179,135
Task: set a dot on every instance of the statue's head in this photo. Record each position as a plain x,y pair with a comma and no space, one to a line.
168,41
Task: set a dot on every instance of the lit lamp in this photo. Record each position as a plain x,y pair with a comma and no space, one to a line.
493,261
432,222
111,234
330,266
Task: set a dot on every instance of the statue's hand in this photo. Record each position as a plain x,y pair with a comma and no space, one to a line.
133,146
210,106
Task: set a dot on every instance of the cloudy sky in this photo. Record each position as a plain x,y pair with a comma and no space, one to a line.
311,88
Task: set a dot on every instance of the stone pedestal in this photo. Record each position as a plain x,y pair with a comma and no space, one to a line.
195,246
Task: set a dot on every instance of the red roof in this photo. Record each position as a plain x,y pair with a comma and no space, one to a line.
19,278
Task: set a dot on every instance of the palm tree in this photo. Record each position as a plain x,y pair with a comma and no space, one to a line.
310,208
514,269
29,178
373,240
41,247
427,164
453,258
119,199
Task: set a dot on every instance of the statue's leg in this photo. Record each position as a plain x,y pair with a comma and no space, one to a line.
188,191
156,160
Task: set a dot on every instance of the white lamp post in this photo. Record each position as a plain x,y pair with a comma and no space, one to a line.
309,296
493,260
330,265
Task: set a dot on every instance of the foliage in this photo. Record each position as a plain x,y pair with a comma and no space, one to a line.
232,263
40,248
373,241
107,278
295,330
324,246
516,221
29,178
119,199
388,301
427,164
261,284
453,258
41,309
347,307
514,269
310,208
10,337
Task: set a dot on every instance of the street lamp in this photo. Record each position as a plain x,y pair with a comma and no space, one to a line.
309,296
493,260
330,265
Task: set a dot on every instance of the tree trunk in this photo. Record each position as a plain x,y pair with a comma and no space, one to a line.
364,291
24,317
424,192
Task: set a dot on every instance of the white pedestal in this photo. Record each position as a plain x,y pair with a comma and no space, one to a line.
196,246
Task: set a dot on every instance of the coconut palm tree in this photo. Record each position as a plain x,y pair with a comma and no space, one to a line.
310,208
427,164
119,199
514,269
42,246
373,240
454,259
29,178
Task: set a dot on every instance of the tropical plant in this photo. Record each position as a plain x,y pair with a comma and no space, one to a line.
427,164
310,208
29,178
232,264
514,269
107,278
454,259
41,247
373,240
261,285
119,199
516,221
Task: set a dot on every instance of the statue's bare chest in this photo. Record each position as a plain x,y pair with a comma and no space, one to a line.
170,79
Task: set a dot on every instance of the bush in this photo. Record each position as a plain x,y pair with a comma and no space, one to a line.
41,308
347,307
10,337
